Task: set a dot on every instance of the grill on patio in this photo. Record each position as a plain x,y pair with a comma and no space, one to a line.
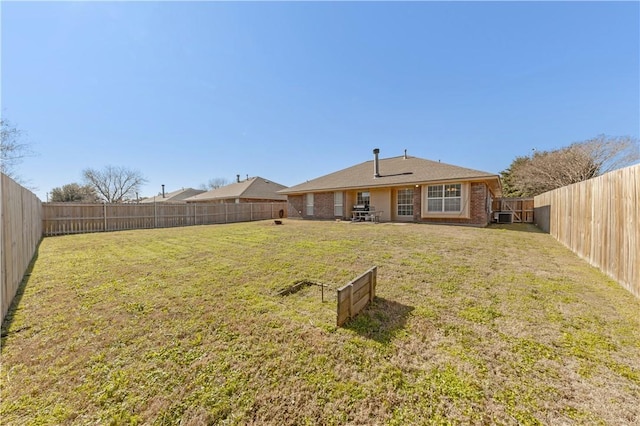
365,212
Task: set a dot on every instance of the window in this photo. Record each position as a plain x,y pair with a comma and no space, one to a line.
309,204
405,202
363,198
337,204
444,198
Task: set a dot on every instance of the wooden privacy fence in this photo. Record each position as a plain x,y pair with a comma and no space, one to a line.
599,219
353,297
20,234
71,218
521,208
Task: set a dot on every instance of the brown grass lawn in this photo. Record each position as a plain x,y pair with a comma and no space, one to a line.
500,325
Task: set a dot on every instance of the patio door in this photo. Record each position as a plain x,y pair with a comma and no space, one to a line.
404,204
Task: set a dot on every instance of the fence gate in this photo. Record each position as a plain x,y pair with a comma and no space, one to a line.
520,208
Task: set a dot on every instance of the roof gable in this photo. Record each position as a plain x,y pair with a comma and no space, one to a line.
253,188
173,197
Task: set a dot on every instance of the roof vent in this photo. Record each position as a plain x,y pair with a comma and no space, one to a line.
376,165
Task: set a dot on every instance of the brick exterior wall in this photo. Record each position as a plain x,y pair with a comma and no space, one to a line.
295,206
417,204
323,205
478,212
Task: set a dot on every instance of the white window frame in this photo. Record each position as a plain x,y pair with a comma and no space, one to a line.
465,194
309,204
447,190
338,204
410,204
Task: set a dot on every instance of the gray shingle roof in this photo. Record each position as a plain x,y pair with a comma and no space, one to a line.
393,172
253,188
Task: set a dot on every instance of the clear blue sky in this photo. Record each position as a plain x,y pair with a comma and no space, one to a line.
185,92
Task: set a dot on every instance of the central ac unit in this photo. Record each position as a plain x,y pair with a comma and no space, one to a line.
505,217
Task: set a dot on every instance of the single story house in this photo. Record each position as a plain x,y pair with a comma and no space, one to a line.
173,197
398,189
251,190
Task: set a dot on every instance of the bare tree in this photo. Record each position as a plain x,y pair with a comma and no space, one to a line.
74,192
547,170
12,148
114,184
214,183
610,152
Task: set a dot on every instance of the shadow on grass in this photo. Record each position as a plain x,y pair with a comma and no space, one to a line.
8,319
381,320
519,227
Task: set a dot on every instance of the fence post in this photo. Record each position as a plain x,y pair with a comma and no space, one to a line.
155,215
372,283
225,212
104,213
250,212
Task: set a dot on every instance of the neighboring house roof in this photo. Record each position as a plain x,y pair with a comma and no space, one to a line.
174,197
394,171
256,188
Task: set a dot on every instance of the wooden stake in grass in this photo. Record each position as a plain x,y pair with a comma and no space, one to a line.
299,285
